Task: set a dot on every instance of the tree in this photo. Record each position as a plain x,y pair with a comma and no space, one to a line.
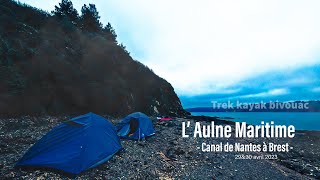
124,48
109,33
90,19
66,10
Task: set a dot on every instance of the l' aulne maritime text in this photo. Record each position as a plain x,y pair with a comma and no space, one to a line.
241,130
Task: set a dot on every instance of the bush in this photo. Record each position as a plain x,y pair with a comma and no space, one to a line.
16,81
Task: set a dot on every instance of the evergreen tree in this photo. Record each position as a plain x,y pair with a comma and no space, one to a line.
109,32
124,48
90,19
66,10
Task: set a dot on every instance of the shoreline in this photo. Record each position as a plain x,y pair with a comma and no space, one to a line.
166,154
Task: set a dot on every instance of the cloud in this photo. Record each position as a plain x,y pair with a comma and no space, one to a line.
272,92
316,89
211,46
207,46
299,84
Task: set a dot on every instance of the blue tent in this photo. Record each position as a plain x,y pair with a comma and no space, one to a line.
75,145
135,126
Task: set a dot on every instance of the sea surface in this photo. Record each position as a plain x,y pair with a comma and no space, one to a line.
301,120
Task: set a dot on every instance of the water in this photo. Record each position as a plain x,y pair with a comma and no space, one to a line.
301,120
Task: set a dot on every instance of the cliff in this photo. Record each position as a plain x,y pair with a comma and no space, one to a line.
52,65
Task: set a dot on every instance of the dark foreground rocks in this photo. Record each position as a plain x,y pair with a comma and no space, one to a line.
164,156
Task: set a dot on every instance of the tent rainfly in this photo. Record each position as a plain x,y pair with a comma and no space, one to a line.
135,126
74,146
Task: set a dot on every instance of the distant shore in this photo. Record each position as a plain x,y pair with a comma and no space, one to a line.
301,120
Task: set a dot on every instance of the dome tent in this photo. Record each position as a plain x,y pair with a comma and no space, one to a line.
135,126
74,146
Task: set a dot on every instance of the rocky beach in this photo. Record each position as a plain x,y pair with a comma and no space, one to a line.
166,155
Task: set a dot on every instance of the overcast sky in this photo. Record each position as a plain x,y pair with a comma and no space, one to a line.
213,47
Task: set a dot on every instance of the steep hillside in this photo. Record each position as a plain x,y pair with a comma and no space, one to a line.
53,64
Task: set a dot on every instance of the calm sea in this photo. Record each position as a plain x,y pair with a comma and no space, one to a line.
301,120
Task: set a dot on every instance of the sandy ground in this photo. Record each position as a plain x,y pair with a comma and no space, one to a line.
166,155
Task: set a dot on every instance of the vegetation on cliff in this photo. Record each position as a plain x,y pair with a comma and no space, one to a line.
68,62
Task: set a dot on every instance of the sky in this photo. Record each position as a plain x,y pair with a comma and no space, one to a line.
221,50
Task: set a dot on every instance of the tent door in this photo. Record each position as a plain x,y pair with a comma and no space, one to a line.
134,125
